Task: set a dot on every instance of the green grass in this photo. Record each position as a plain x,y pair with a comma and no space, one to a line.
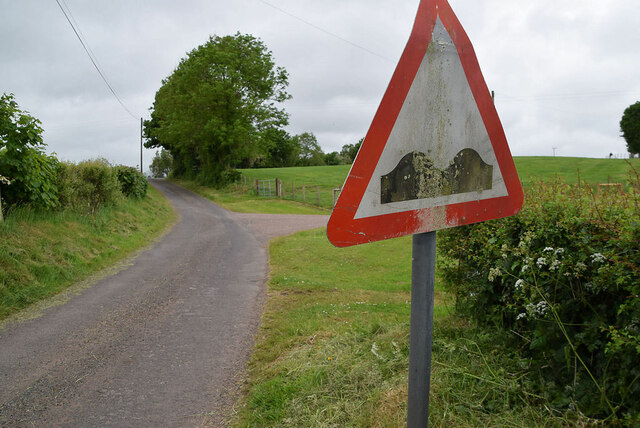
334,341
41,254
322,179
592,171
239,198
309,190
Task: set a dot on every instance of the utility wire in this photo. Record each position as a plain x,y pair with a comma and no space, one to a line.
84,45
77,26
325,31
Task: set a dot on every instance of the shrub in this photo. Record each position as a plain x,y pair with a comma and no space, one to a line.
87,186
132,182
564,277
31,171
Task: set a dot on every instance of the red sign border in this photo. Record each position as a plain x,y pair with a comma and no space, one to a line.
343,228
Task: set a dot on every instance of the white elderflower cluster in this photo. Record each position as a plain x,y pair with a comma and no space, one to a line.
598,258
4,180
580,267
525,241
526,264
519,285
551,258
504,249
493,274
538,309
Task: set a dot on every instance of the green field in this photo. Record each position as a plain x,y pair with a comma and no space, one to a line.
333,347
334,340
591,171
240,198
42,254
327,178
317,180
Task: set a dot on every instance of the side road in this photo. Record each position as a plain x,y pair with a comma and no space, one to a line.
161,343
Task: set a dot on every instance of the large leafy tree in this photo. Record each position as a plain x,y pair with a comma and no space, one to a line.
161,164
630,127
349,151
212,111
310,152
30,174
280,150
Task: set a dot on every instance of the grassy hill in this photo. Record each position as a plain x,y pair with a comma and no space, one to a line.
592,171
323,179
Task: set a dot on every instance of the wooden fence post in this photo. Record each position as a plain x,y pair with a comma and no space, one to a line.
277,187
257,187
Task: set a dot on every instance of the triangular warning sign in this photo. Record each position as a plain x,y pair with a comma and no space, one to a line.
436,155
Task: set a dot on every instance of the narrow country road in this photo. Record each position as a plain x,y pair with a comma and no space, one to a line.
164,342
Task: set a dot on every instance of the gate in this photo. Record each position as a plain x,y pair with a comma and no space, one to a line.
267,188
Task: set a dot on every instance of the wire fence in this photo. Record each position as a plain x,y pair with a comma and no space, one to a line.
312,194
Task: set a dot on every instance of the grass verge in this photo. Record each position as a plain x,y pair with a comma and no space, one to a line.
334,342
41,254
238,198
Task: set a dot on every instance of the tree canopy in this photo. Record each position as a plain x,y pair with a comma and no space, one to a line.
23,161
310,152
161,164
630,128
349,151
218,109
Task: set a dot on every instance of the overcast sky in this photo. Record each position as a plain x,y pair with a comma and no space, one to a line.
563,70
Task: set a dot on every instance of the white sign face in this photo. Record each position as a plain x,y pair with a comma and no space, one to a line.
438,121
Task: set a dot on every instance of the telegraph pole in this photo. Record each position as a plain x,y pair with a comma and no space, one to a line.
141,146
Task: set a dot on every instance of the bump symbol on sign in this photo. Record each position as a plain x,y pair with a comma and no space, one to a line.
416,177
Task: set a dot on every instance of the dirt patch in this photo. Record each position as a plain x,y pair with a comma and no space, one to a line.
268,226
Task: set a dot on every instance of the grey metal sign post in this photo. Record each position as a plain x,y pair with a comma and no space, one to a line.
421,333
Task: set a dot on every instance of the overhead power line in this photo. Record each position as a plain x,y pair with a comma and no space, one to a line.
325,31
94,61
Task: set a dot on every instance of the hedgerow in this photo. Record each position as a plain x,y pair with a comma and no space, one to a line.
563,278
132,182
88,185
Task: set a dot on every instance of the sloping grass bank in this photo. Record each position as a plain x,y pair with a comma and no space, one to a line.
41,254
334,342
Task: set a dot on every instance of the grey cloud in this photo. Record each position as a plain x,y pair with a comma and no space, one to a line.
528,55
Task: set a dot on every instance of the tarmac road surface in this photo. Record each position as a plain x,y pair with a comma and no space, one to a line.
163,342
